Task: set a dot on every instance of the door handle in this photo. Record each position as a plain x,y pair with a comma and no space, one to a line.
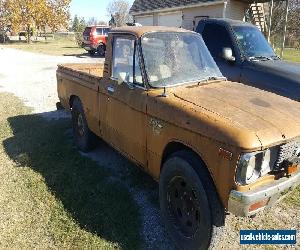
110,89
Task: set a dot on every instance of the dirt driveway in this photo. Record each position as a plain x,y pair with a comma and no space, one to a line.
32,78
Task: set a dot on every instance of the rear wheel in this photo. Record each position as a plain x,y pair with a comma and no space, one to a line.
85,139
101,50
92,52
189,203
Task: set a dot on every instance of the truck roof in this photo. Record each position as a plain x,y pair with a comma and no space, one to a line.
227,21
141,30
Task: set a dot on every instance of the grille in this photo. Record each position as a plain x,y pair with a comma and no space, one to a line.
287,151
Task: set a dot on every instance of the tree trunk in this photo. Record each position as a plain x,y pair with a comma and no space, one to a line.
28,35
45,34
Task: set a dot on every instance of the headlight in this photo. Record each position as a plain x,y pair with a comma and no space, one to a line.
251,166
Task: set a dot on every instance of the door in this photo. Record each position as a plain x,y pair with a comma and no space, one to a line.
144,20
173,19
217,37
125,122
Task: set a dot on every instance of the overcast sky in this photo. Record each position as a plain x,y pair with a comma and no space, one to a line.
91,8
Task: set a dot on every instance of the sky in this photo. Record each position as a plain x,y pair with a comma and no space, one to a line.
91,8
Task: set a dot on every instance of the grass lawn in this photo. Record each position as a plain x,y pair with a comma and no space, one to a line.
58,47
292,55
50,196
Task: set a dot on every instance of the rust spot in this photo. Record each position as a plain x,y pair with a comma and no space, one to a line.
260,102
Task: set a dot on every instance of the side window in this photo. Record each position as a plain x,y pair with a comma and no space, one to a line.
99,31
123,52
137,69
216,38
105,31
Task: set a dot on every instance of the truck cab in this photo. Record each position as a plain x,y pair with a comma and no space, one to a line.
243,55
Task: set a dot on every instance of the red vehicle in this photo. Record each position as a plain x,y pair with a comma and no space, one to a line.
95,39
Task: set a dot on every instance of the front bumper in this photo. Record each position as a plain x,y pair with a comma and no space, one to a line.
241,203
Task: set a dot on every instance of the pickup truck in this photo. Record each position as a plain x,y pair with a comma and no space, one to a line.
244,55
213,145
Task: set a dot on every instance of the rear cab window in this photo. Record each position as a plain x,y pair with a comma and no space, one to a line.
87,31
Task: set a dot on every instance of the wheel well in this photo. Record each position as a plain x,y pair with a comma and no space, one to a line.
71,100
173,147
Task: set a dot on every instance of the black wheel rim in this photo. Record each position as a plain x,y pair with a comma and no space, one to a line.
101,50
183,206
80,125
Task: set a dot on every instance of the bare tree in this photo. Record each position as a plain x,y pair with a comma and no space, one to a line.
119,11
92,21
293,24
95,21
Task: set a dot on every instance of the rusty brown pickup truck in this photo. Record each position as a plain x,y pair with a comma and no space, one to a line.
215,146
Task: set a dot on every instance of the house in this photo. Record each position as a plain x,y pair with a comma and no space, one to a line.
187,13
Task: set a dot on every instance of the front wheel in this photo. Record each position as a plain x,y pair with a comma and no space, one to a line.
193,214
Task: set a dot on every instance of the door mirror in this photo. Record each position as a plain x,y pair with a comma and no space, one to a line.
228,55
122,77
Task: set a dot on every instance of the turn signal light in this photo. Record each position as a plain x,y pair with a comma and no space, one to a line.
259,204
292,169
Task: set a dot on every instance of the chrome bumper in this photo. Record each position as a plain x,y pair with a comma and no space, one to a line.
240,202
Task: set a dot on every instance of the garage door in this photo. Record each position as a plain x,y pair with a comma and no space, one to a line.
173,19
144,20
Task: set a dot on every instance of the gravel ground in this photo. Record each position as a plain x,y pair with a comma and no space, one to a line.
32,78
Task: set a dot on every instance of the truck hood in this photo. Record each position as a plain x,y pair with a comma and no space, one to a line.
281,77
272,118
280,67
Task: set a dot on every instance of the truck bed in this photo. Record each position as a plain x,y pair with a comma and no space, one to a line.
82,70
81,80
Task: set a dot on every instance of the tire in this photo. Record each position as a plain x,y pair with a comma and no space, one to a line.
92,52
101,50
190,206
85,139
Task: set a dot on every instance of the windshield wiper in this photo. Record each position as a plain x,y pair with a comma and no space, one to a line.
275,57
252,58
212,78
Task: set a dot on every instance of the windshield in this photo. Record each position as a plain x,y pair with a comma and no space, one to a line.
176,58
252,42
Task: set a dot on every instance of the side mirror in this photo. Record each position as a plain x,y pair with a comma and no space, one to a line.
122,77
228,55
